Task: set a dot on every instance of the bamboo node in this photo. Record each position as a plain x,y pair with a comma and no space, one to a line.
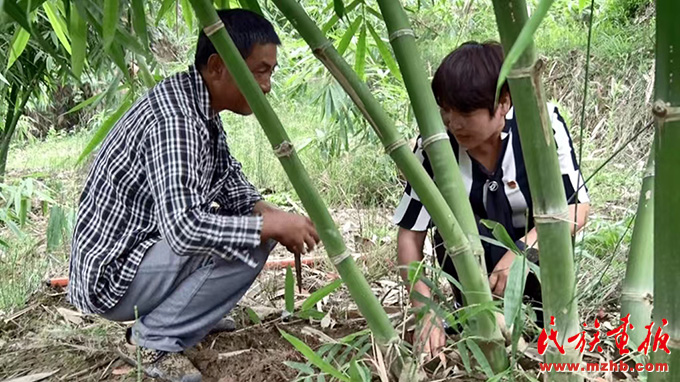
325,45
340,258
457,250
664,112
284,149
212,29
673,343
395,145
633,296
434,138
400,33
553,218
527,71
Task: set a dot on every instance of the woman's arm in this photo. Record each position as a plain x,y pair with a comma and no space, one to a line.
499,277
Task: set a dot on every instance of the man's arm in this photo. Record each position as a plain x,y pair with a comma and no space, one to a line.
174,153
238,194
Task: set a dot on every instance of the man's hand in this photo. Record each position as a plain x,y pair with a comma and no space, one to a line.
499,277
432,335
291,230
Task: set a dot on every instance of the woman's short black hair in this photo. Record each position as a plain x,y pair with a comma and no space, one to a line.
466,79
246,28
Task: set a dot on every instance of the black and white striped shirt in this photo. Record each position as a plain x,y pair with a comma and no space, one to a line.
163,172
509,186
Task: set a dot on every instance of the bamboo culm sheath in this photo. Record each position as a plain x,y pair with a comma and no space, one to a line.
637,294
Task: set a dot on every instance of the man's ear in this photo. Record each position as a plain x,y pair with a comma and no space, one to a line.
214,68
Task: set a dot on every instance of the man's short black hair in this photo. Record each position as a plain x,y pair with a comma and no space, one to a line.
466,79
246,28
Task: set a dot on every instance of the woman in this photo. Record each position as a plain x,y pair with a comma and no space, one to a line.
485,141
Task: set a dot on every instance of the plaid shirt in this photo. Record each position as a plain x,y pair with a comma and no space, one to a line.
163,172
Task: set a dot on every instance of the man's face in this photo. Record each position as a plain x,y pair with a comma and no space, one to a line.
224,93
476,127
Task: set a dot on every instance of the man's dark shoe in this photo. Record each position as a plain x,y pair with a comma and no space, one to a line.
226,324
166,366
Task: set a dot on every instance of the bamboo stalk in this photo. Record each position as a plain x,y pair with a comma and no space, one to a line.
637,294
356,283
666,195
447,174
549,204
475,285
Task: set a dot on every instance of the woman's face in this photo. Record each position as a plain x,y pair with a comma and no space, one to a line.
474,128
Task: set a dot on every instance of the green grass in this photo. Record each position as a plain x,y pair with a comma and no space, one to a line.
22,269
52,155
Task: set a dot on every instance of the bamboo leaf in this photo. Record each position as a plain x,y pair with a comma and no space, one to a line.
339,8
501,235
17,13
3,244
480,357
55,228
25,205
360,58
79,41
514,290
188,15
3,79
463,351
524,39
254,318
385,53
314,358
95,98
251,5
58,25
106,127
319,294
19,42
290,291
165,7
310,313
517,327
139,21
299,366
117,55
375,13
147,78
347,37
334,19
111,8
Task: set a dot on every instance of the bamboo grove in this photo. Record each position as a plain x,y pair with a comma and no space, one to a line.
446,200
